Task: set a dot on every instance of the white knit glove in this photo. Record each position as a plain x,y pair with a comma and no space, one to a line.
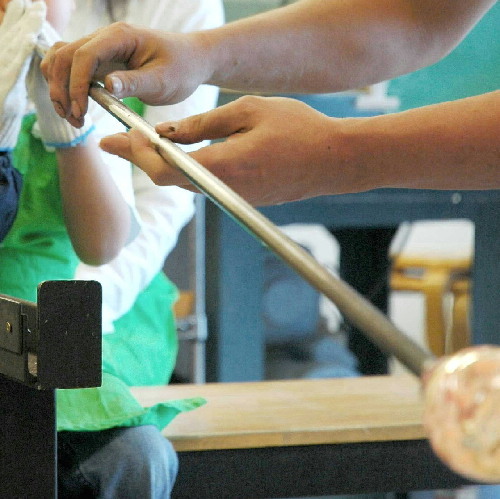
18,34
55,132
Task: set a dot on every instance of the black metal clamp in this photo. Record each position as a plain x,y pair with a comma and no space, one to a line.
56,342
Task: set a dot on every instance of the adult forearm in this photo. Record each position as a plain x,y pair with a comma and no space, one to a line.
454,145
323,46
280,150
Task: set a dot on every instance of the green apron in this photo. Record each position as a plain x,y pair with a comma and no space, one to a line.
143,348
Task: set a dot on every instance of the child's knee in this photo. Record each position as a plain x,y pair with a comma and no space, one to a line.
149,450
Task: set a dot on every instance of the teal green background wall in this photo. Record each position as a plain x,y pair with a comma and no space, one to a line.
471,69
236,9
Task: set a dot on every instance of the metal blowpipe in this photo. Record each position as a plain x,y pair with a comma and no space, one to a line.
461,392
350,303
356,309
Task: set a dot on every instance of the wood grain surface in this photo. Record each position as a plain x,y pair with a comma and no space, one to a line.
293,412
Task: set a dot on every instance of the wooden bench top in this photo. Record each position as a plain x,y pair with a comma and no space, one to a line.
302,438
293,412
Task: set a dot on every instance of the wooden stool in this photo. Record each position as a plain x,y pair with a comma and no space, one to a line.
437,278
184,306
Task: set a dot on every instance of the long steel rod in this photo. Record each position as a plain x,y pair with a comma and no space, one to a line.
350,303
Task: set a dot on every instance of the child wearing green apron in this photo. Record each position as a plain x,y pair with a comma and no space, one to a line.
143,347
141,350
109,444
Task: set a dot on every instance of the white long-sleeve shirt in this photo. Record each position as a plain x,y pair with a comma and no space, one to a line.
163,211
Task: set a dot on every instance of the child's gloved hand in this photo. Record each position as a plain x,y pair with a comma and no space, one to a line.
19,31
54,131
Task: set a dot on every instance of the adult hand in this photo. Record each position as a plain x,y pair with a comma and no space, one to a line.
54,131
160,67
277,150
19,30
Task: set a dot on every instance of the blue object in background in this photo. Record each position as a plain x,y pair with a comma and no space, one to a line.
338,105
328,349
332,359
290,306
10,191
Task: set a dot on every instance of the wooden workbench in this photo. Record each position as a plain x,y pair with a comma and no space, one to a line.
302,437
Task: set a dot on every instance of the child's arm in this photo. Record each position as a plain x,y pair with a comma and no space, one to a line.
98,217
163,211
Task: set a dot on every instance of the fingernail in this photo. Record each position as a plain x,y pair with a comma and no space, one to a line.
75,110
59,109
169,127
116,84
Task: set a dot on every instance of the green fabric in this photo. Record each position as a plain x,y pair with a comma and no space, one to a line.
135,104
37,247
152,311
142,351
112,404
143,348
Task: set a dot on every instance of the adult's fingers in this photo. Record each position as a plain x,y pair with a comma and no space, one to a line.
136,148
57,75
56,66
70,68
221,122
142,83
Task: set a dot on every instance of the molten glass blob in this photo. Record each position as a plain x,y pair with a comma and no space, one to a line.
462,412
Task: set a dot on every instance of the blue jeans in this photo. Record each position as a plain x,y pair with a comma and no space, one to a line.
10,190
117,463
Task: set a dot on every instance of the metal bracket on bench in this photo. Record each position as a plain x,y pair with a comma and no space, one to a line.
56,342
